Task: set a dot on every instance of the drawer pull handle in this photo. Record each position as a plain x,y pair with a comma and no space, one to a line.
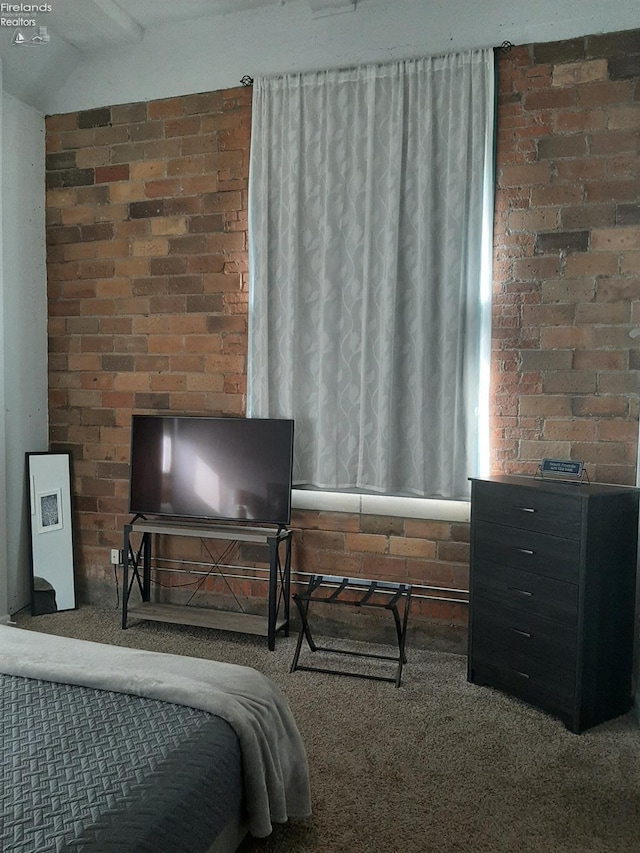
522,633
525,508
522,674
526,551
519,591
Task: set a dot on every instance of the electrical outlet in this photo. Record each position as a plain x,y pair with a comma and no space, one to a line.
116,557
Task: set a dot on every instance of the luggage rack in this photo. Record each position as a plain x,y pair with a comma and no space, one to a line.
354,592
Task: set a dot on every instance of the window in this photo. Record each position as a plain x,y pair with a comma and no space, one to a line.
370,214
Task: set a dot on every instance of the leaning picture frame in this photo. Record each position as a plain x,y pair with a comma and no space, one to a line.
49,511
48,477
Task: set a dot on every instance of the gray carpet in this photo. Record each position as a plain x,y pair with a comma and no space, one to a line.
437,765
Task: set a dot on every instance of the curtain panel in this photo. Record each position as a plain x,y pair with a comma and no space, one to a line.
370,215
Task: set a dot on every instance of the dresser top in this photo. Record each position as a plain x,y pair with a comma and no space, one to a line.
556,486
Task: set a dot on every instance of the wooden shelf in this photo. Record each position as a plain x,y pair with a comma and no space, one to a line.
138,561
238,532
222,620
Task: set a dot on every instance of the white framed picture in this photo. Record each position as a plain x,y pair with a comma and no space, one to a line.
49,505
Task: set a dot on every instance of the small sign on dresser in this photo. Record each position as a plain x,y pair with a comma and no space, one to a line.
563,469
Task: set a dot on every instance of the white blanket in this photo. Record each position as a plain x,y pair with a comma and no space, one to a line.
273,756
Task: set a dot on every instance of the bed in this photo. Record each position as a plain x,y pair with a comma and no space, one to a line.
114,749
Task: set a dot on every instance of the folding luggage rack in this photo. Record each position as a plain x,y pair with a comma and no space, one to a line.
354,592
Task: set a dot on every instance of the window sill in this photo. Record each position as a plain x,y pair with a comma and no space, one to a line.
428,508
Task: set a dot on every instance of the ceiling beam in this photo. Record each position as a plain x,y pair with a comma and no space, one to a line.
94,23
322,8
129,28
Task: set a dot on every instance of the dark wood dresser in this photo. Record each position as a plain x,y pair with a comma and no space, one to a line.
552,594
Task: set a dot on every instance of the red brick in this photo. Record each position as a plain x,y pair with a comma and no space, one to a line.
385,568
200,184
166,108
573,430
109,174
204,144
185,166
182,126
402,546
162,188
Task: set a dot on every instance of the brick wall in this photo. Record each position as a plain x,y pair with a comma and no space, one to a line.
148,300
147,260
567,256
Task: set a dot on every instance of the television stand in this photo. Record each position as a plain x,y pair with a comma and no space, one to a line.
137,568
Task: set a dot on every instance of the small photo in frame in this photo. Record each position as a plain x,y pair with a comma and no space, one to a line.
49,511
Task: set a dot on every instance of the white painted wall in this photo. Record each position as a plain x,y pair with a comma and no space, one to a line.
23,331
3,491
33,74
636,663
215,53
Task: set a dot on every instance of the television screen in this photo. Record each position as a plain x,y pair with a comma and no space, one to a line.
234,469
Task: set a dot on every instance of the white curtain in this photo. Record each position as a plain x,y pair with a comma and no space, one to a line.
369,191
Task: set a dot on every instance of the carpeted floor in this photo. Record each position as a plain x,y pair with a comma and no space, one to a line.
437,765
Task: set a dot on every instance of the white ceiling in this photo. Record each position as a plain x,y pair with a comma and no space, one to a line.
81,28
100,50
97,24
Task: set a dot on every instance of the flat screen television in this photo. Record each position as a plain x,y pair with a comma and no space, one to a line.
231,469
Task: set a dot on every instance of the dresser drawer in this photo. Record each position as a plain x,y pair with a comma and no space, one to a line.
528,509
551,556
529,634
534,552
524,676
534,594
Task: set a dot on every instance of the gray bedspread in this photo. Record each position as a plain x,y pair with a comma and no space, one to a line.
93,770
275,774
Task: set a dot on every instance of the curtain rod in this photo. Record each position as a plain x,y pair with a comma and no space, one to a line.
505,47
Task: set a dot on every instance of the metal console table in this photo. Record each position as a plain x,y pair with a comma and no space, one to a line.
137,568
354,592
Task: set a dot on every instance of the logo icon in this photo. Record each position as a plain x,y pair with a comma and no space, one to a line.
41,37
